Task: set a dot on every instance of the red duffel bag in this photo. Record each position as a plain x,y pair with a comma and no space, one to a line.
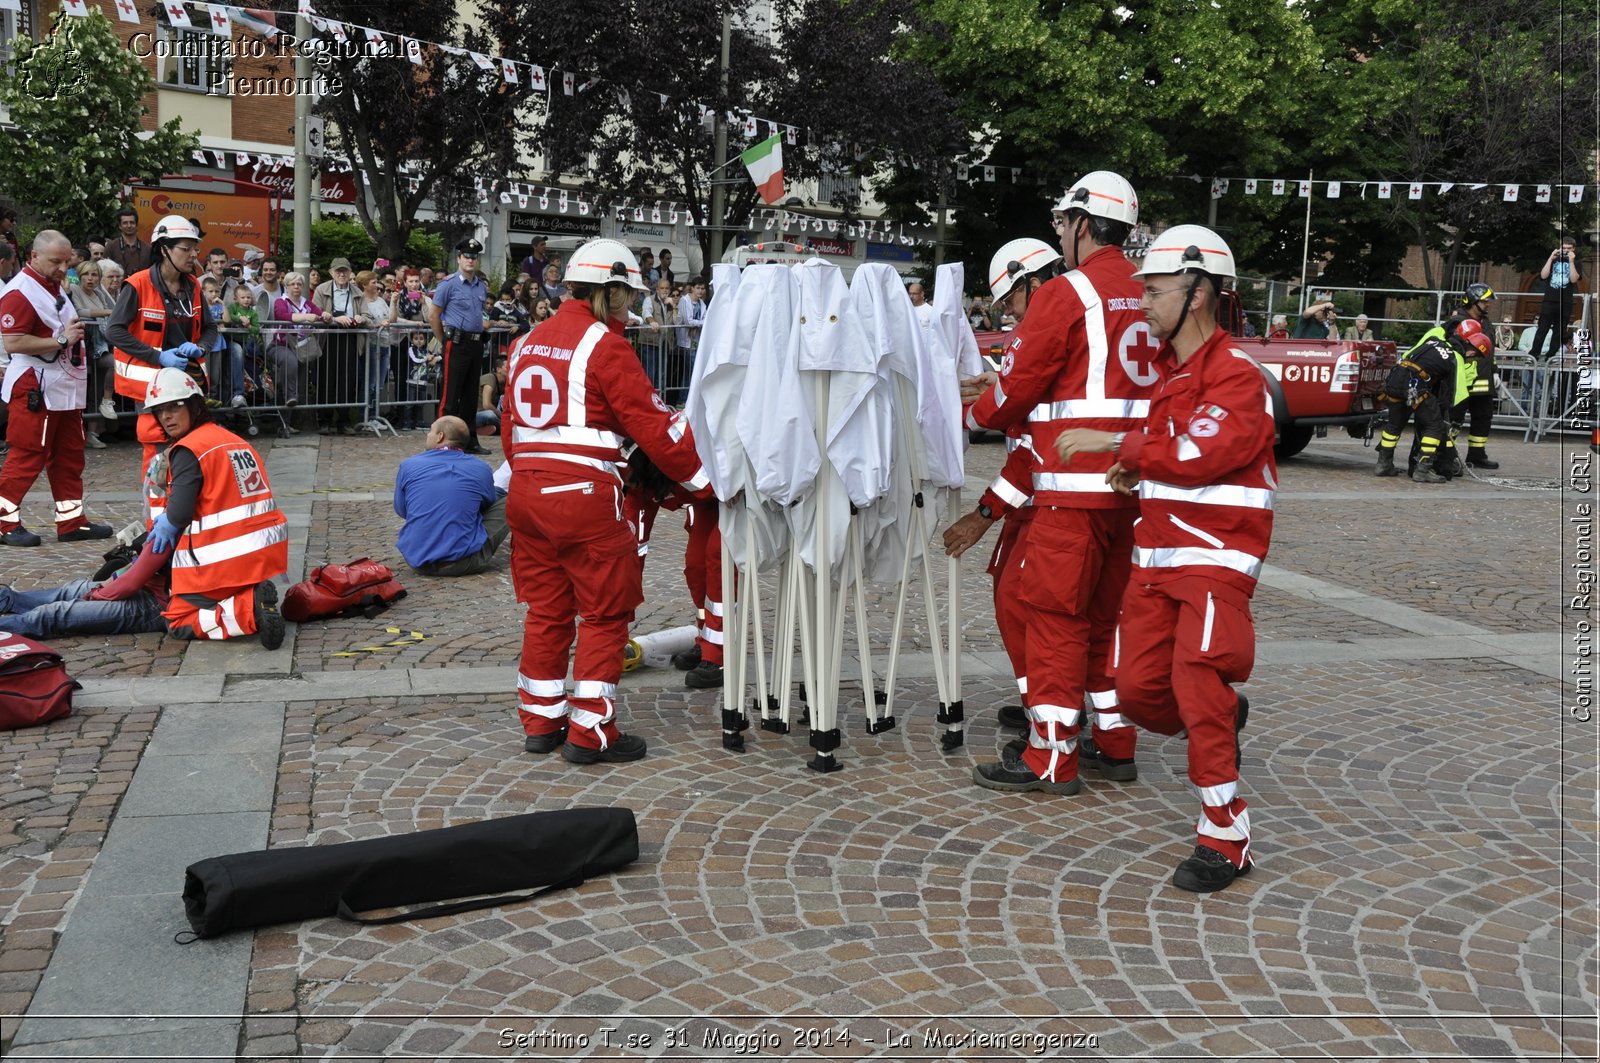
363,587
34,685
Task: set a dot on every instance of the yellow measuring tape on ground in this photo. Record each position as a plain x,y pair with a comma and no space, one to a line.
408,638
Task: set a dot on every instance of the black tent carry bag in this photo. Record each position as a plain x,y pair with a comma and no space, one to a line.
553,850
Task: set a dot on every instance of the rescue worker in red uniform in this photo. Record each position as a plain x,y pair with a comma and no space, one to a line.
44,389
575,390
1082,358
1016,271
650,491
160,322
1203,467
216,512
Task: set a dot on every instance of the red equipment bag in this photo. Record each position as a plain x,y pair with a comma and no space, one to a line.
363,587
34,685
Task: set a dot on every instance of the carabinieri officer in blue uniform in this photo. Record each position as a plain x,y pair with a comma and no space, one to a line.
458,324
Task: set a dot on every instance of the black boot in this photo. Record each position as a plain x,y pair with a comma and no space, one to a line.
1478,458
1424,473
1386,463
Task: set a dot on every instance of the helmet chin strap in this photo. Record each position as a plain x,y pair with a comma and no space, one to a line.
1183,315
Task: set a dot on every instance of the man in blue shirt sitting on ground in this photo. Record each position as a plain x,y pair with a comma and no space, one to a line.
455,519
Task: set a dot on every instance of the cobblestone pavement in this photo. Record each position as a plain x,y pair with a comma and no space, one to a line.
1424,814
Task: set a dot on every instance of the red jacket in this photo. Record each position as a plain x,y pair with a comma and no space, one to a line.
1207,477
1012,490
575,390
1082,358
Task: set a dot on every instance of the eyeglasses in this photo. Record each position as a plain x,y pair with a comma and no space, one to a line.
1058,222
1151,293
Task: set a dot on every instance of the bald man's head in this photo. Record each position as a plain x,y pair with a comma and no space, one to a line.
450,432
49,254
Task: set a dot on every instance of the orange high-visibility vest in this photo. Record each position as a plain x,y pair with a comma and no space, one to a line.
238,537
150,325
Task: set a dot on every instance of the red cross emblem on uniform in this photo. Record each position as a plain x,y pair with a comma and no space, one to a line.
536,395
1138,351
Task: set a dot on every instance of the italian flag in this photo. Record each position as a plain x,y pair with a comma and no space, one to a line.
765,162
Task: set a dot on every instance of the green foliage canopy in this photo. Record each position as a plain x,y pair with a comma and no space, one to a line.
74,98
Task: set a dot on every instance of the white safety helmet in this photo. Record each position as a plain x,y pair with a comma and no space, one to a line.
1016,260
1188,249
174,227
1103,194
170,385
605,261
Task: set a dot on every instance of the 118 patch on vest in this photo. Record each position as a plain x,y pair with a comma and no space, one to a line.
247,474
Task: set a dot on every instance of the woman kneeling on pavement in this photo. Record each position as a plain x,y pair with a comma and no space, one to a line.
210,500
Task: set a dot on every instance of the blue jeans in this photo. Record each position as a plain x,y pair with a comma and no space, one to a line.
236,353
377,375
63,611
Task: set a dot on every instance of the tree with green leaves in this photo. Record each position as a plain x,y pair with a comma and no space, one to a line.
410,130
642,126
1168,93
74,99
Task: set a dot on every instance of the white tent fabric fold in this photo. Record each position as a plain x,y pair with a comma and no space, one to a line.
735,324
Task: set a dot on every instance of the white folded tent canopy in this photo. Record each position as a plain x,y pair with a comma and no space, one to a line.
845,424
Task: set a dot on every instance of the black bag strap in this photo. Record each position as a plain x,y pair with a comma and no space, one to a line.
436,910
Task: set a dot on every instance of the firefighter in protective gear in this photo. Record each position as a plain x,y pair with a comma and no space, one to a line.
160,322
1419,384
213,507
575,390
1081,358
1475,406
1017,270
1203,467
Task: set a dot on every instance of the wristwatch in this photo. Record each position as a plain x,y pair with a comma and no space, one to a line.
985,512
61,337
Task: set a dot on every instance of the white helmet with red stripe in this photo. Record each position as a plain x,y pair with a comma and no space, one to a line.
605,261
174,227
170,385
1103,194
1016,260
1188,249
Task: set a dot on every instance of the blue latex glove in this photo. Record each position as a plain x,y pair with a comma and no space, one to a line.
191,350
174,358
163,535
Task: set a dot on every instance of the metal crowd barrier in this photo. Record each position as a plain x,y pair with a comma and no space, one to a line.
370,379
361,379
666,362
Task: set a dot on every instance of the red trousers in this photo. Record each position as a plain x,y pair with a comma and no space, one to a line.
1180,646
1073,579
1010,611
228,614
49,441
702,571
573,555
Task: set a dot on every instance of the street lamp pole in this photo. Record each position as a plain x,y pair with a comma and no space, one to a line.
302,160
720,149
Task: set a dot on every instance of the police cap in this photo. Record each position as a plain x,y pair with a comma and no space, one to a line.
469,246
